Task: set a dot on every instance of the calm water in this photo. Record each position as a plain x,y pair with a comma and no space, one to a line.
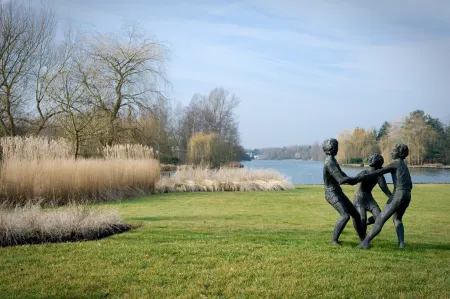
310,172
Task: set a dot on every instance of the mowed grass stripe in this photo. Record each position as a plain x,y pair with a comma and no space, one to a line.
242,245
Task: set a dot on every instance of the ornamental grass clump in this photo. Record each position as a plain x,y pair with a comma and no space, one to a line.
30,224
204,179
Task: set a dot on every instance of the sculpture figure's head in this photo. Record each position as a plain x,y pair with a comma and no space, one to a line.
400,150
376,160
330,146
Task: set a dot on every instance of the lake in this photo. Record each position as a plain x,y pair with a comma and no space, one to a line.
310,172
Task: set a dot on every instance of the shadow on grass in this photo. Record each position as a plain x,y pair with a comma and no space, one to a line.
392,246
42,238
426,246
278,236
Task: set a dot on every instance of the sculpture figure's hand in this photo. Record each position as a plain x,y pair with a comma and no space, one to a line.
352,181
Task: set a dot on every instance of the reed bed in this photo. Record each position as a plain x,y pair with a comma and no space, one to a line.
62,181
31,224
34,148
204,179
128,151
45,170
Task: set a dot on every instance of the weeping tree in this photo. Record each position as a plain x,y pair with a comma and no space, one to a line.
200,149
124,73
77,116
356,145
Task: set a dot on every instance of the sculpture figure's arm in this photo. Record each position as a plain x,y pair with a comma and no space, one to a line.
339,176
363,172
390,168
383,186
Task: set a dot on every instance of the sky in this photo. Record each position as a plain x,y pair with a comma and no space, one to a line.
303,70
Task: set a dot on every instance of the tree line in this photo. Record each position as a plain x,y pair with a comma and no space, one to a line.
299,152
428,140
99,89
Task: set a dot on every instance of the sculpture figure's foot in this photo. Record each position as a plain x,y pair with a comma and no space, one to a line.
334,242
363,245
401,245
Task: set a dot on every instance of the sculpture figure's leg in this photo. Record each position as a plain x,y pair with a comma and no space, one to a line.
363,214
342,221
388,211
399,229
375,212
356,218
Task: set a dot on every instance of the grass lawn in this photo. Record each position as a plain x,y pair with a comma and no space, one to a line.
242,245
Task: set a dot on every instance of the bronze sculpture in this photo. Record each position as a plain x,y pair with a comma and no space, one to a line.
363,199
333,177
400,199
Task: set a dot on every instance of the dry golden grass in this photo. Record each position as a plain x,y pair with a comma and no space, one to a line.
34,148
190,179
31,224
61,181
128,151
45,170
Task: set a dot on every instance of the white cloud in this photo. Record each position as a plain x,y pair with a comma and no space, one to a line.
299,61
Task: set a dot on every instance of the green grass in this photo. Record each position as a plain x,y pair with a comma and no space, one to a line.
242,245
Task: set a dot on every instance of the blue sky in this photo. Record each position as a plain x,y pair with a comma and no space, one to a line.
303,70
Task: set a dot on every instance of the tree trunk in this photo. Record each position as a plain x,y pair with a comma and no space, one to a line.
12,126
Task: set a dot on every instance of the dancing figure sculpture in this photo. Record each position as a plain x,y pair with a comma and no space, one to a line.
363,199
400,199
333,177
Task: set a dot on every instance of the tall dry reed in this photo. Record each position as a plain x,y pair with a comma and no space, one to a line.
190,179
42,169
62,181
32,224
34,148
128,151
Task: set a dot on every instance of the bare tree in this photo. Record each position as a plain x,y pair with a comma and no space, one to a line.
22,32
218,112
214,113
72,104
124,71
49,63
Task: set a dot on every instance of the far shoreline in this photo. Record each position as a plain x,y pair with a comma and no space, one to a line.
414,183
410,166
427,166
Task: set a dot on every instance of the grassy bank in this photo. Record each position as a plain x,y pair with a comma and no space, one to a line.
241,244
